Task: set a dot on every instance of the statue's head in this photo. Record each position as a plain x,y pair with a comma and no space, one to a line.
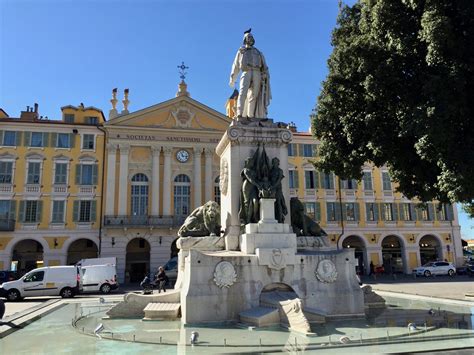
276,162
249,41
248,162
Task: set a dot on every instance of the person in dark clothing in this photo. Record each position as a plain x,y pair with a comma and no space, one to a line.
161,279
146,285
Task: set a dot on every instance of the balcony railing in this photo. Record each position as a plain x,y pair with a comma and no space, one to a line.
143,221
7,225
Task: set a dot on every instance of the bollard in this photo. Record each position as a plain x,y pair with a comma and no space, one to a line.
112,335
361,338
134,337
329,340
160,340
225,342
83,329
260,341
296,342
388,336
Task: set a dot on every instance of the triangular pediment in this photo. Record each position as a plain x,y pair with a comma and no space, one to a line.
181,112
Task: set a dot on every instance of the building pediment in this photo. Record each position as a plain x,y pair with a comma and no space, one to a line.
181,112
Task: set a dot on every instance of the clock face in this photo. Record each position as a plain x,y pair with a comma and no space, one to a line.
182,156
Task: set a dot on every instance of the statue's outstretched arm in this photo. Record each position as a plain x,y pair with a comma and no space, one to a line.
235,69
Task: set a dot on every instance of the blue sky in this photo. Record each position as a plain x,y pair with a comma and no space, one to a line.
68,51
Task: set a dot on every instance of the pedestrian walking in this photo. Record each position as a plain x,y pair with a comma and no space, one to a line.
161,279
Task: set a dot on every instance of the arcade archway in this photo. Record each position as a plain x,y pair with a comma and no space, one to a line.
27,255
356,242
430,249
81,249
137,263
393,255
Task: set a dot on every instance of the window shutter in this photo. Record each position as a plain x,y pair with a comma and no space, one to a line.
46,140
430,212
75,211
317,183
12,214
39,208
297,180
27,139
306,179
331,181
17,138
78,174
367,211
300,150
381,211
315,150
413,212
419,216
376,212
317,208
338,211
449,212
54,140
357,211
72,138
94,174
395,211
1,137
93,211
21,212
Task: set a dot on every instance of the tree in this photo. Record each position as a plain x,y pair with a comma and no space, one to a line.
400,92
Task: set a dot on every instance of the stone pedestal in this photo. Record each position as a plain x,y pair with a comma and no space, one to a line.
238,143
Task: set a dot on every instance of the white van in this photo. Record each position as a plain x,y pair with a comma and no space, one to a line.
64,281
101,278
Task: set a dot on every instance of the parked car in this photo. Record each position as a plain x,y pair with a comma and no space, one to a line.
101,278
171,268
64,281
8,275
435,268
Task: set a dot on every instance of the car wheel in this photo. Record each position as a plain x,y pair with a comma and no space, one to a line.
105,288
427,273
450,272
67,293
13,295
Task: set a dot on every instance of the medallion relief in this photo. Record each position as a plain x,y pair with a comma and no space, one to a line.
326,271
224,274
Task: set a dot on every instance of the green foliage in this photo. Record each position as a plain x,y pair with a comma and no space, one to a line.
400,92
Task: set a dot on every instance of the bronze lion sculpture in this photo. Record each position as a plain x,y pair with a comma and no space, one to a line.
302,224
203,221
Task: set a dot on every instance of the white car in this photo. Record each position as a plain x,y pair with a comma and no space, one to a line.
435,268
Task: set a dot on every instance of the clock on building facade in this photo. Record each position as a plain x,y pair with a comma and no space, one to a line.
182,156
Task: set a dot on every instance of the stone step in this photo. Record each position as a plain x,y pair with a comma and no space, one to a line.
260,316
160,310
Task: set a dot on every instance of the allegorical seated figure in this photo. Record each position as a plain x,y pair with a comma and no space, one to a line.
203,221
302,224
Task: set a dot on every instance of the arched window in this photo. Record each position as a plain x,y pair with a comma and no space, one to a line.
217,191
139,195
182,196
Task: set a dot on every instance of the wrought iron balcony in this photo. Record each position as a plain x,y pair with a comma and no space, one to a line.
143,221
7,225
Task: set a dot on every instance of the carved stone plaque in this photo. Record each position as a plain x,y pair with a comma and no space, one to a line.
224,176
224,274
326,271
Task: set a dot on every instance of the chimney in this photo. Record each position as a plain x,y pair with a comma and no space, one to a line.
29,114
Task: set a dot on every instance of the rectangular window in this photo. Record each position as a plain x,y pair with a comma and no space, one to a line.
386,182
328,181
5,209
349,184
88,141
371,212
308,150
331,211
31,211
292,150
6,169
9,138
69,118
34,173
350,211
60,173
92,120
217,193
293,179
63,140
310,210
36,139
86,174
309,178
406,211
367,180
85,211
58,212
388,211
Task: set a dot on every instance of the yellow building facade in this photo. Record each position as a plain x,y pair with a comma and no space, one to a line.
153,166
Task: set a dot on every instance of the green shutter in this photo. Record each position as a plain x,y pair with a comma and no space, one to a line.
1,137
430,212
357,211
331,181
344,211
39,210
18,138
93,211
381,211
27,139
419,216
315,150
78,174
367,211
12,214
300,150
338,211
317,209
412,212
449,212
395,207
75,211
94,174
21,212
72,138
376,212
54,140
297,179
317,184
46,139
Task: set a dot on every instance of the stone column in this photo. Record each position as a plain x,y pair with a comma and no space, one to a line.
155,181
209,181
110,192
123,182
197,177
167,181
